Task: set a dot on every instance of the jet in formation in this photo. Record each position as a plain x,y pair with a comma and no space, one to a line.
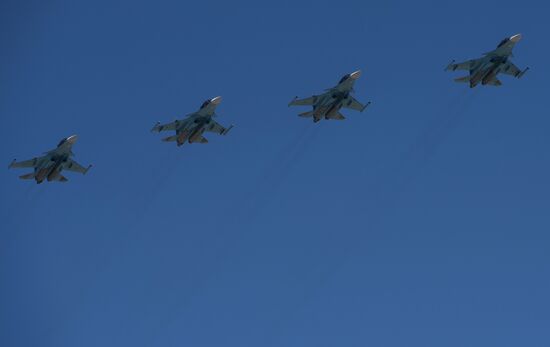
192,128
50,165
328,104
325,106
486,68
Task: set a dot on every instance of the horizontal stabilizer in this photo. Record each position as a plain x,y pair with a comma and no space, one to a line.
465,79
61,178
27,176
198,139
336,116
307,114
170,138
494,82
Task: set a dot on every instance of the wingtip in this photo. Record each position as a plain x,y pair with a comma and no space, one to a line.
291,101
155,127
12,163
88,169
367,105
523,72
449,66
227,130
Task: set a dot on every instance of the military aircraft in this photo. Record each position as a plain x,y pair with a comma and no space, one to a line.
192,127
328,104
486,68
50,165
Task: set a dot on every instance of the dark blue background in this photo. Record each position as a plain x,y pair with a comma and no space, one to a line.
421,222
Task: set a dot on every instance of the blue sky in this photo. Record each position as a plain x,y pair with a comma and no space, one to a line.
421,222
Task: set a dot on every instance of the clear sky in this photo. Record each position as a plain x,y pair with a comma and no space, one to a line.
423,221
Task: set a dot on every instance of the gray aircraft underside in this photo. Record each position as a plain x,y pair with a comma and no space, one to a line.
328,104
49,166
192,128
486,69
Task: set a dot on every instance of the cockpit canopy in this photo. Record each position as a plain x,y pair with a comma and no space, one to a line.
343,79
204,104
503,42
62,142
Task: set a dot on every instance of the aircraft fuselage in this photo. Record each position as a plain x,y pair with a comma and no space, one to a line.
328,106
487,71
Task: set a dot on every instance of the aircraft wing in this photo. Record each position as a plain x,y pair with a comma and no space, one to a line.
72,165
353,104
162,127
510,69
216,127
460,66
303,102
25,163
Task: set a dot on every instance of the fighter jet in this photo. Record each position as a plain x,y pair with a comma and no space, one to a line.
486,68
50,165
328,104
191,128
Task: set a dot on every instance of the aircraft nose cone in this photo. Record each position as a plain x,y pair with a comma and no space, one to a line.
216,100
72,139
355,75
515,38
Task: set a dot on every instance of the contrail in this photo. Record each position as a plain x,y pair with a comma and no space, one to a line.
159,176
255,201
423,149
278,170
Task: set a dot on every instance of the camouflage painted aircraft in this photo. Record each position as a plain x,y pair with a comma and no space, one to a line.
191,128
50,165
328,104
486,68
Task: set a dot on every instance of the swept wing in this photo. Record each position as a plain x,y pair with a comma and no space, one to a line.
305,101
466,65
72,165
163,127
510,69
25,163
216,127
353,104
